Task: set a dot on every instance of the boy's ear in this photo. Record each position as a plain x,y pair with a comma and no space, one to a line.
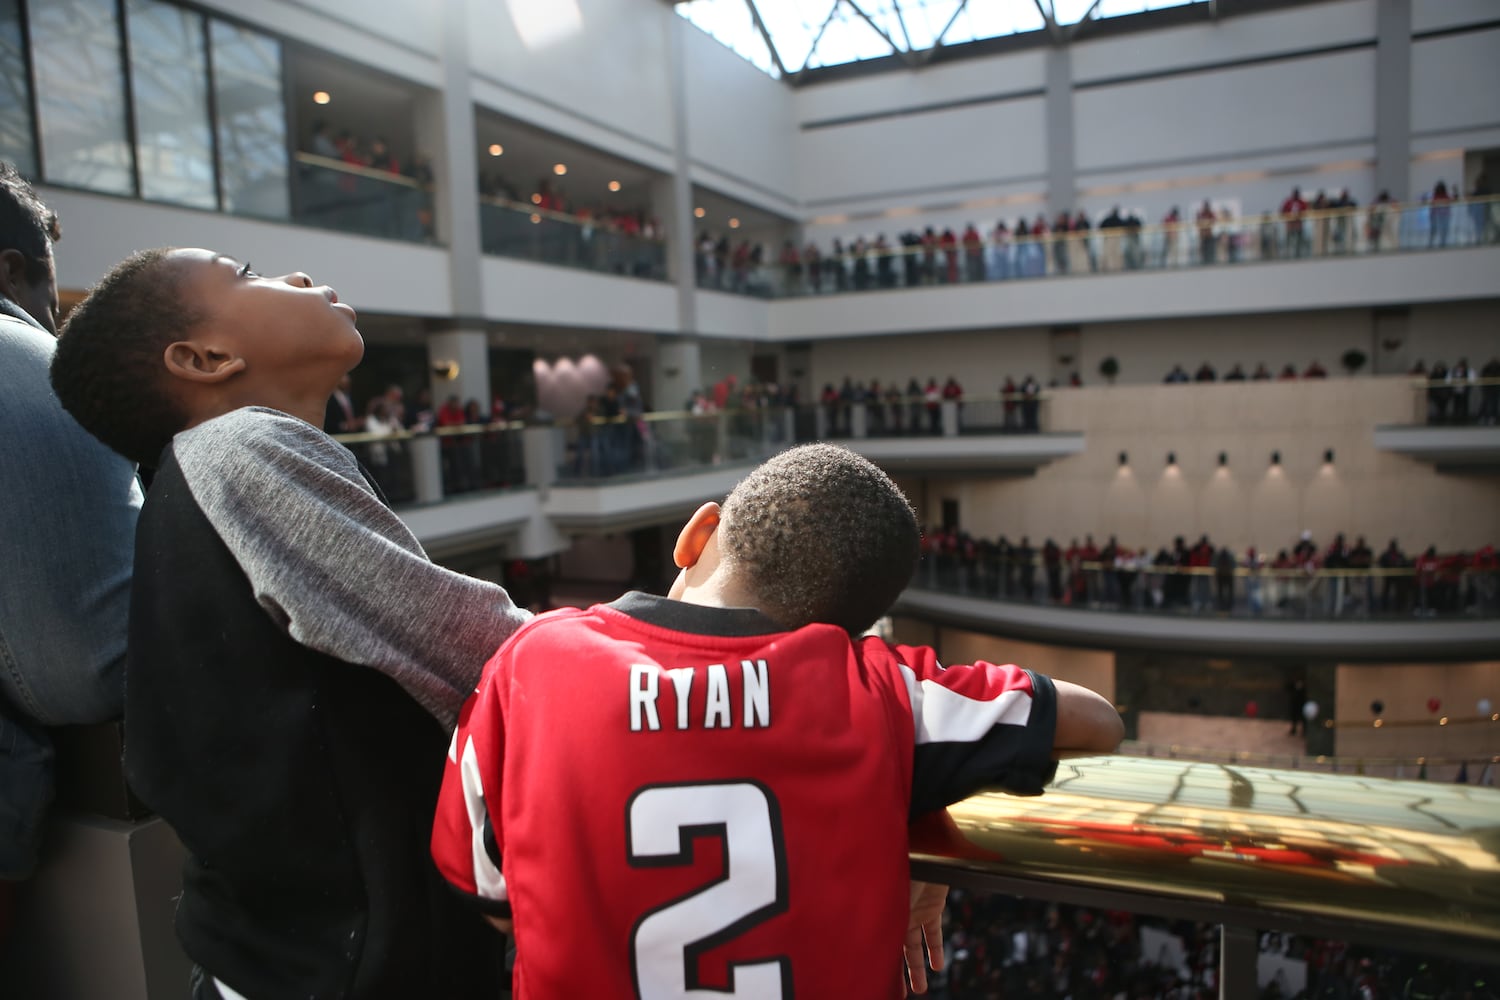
694,537
199,362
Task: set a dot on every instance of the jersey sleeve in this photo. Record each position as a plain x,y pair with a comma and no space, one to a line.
976,726
335,566
467,835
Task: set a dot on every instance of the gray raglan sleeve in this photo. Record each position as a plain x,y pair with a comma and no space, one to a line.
333,565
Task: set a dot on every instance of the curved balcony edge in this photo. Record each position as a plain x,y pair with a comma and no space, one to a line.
1388,641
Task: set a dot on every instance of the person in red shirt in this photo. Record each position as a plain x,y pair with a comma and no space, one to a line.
1427,567
711,791
1292,211
949,244
1207,244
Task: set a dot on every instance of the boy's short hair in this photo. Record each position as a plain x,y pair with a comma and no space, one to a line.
819,534
109,370
26,224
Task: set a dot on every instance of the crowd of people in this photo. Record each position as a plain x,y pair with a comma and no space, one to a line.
548,225
1207,373
1200,577
1450,392
1073,243
1000,946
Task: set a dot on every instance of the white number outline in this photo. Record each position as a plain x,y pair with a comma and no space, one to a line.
694,948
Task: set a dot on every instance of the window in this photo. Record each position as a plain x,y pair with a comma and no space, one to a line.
16,142
80,94
169,81
251,117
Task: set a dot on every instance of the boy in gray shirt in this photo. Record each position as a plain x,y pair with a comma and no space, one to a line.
295,660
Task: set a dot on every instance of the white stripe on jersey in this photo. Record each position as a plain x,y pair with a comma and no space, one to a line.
942,715
488,882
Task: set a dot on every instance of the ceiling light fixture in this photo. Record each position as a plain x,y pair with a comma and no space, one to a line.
614,185
322,97
559,168
699,212
496,149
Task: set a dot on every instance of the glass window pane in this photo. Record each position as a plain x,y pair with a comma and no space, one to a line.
252,121
80,83
169,81
15,93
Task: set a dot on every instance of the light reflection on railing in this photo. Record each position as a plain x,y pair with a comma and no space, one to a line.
1346,857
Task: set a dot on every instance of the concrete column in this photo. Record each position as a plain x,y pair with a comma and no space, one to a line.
673,199
950,417
426,468
1393,98
449,136
1062,182
678,370
543,449
470,351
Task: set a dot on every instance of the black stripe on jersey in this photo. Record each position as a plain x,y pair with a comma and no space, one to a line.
694,619
491,848
491,907
1017,759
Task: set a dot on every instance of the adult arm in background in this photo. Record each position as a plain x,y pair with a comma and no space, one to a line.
67,542
333,564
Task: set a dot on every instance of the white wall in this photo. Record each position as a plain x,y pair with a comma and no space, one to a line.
1324,100
1455,80
739,125
373,275
606,85
524,292
1147,350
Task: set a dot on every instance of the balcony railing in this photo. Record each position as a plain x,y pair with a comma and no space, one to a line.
516,229
1457,399
596,449
1328,233
331,194
1442,588
1344,857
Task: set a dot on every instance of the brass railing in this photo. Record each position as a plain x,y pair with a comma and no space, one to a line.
1345,857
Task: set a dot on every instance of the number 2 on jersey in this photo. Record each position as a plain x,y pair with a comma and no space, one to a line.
666,943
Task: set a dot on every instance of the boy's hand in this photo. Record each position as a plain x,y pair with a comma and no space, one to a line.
924,928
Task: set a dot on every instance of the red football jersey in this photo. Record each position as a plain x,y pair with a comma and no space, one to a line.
680,801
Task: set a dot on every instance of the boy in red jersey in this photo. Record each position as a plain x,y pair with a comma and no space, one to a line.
709,793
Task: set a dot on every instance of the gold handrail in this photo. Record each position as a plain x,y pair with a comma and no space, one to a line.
359,170
1342,856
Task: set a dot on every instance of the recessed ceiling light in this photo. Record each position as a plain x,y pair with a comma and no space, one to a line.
734,223
699,212
322,97
559,168
614,185
536,199
496,149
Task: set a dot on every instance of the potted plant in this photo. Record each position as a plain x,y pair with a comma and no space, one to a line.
1109,368
1353,360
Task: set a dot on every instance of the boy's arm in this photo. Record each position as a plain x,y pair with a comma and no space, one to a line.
1085,720
984,725
333,565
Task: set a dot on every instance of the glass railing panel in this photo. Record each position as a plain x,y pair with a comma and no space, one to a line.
600,449
331,194
387,458
1457,396
515,229
1366,230
481,457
